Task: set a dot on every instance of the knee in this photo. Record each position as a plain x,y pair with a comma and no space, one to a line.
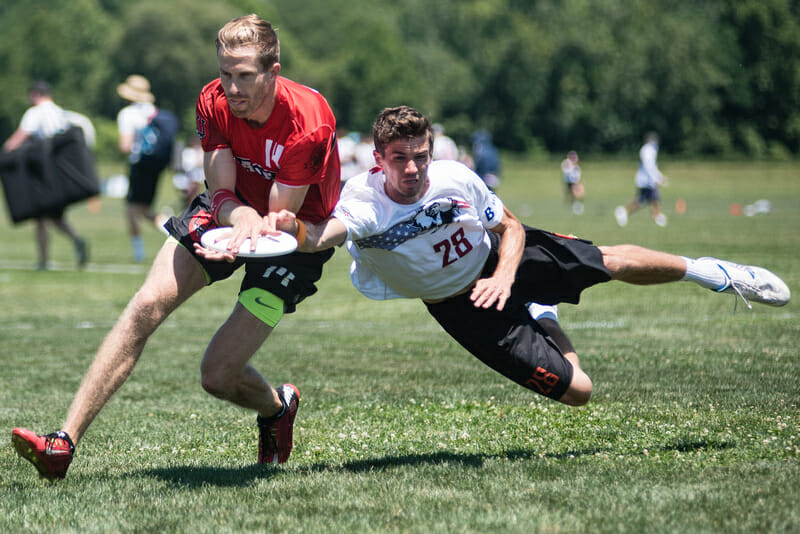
216,380
213,382
148,308
579,391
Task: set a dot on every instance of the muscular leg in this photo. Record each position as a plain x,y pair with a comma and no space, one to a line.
638,265
173,278
225,371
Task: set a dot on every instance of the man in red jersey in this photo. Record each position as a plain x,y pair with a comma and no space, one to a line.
269,145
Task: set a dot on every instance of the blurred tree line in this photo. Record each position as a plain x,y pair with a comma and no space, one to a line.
718,77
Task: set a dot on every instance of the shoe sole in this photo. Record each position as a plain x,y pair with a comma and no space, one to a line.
24,449
779,294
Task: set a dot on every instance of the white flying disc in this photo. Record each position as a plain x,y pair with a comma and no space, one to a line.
266,246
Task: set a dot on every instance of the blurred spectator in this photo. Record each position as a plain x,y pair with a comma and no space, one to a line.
190,178
571,173
443,146
146,134
648,179
364,153
486,158
465,157
44,120
347,143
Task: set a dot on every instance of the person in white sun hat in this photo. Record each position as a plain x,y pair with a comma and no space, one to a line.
140,132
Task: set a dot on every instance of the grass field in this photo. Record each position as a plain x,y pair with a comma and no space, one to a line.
694,425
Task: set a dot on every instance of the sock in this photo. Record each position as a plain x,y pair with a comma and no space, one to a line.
706,273
541,311
137,243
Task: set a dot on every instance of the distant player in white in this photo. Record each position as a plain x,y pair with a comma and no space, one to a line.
571,173
648,179
346,143
478,269
43,120
443,145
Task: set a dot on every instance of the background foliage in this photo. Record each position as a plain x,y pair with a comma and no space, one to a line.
713,77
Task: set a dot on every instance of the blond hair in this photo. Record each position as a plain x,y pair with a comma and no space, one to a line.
251,30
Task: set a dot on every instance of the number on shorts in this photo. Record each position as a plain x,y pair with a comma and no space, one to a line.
542,381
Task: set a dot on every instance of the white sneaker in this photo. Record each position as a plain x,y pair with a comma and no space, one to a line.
622,215
753,283
660,220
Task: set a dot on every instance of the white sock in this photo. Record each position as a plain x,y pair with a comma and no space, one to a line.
137,243
541,311
706,273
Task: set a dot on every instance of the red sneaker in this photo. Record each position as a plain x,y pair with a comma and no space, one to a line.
275,433
50,454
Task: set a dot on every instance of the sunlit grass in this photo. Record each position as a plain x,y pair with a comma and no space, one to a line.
693,426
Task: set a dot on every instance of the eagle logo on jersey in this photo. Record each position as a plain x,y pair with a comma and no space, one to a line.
428,218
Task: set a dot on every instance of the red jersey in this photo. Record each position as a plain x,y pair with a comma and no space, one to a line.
296,146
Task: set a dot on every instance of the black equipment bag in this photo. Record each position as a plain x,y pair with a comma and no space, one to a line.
46,175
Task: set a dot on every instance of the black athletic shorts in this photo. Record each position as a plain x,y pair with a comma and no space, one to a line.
291,277
553,269
647,195
143,181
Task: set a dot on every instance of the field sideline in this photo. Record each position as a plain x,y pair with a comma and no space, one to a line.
694,425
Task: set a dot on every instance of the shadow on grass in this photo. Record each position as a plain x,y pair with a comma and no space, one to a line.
193,476
476,460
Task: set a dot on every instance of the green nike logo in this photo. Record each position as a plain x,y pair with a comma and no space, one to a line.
261,303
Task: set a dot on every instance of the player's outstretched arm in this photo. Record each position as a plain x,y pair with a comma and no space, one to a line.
326,234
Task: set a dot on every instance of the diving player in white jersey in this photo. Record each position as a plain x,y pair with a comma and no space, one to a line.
434,231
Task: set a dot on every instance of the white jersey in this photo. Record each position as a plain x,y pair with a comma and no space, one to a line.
44,120
648,175
131,120
134,117
570,171
431,249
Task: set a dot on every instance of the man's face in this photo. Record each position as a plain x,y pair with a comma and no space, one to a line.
405,164
247,86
